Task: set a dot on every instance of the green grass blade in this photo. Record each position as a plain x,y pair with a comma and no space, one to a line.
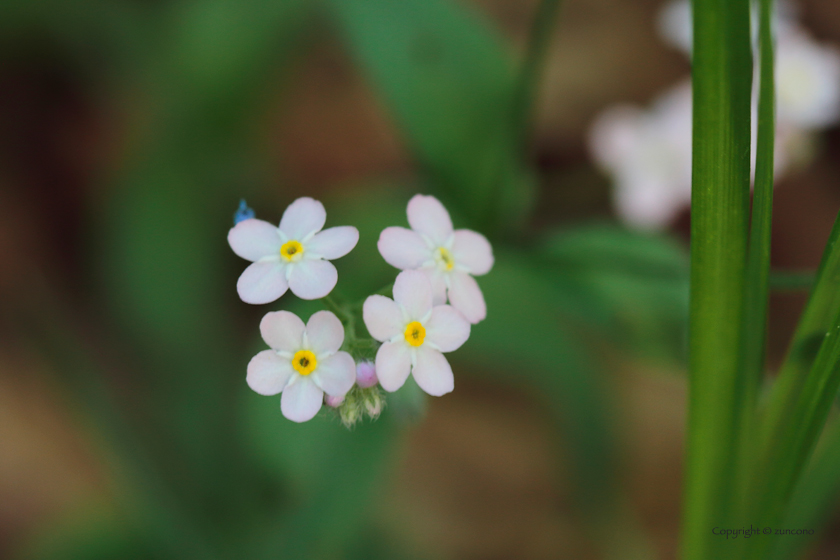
813,498
758,259
720,199
790,451
757,289
823,305
791,281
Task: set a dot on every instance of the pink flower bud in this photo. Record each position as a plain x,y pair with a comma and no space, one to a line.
334,402
366,375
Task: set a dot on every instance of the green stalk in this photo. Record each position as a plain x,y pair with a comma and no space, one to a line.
813,498
511,170
758,261
787,456
722,77
823,305
524,96
791,281
757,287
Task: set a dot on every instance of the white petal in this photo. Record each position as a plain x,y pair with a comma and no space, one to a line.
325,333
312,279
472,250
383,317
262,282
433,373
393,364
413,290
466,297
303,217
336,374
254,239
333,243
268,373
282,331
403,248
427,215
438,279
447,328
301,400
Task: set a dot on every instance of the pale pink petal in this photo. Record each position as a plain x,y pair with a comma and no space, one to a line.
472,250
432,372
466,297
366,375
336,374
268,373
403,248
383,317
254,239
438,279
282,331
427,215
393,364
311,279
334,402
262,282
332,243
447,328
301,400
325,333
303,217
413,290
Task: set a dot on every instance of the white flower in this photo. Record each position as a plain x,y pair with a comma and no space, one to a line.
449,258
414,334
648,154
296,255
807,82
303,363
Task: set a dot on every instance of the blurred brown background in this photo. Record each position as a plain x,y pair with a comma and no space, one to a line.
477,479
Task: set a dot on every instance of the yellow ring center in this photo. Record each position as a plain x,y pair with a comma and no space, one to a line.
444,258
291,250
304,362
415,333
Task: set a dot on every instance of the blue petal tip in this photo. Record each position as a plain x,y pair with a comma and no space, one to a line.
243,212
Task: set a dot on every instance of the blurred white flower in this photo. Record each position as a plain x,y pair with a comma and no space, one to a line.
293,256
807,82
448,258
648,154
414,334
648,151
303,363
674,25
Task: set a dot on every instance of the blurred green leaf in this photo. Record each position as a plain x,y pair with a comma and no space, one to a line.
525,342
91,532
448,83
630,286
333,473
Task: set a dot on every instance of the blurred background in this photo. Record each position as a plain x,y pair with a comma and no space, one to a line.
130,130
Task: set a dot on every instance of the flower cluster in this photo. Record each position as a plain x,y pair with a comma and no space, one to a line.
648,151
435,302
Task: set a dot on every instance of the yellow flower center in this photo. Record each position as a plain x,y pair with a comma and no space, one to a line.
304,362
291,250
415,333
444,258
